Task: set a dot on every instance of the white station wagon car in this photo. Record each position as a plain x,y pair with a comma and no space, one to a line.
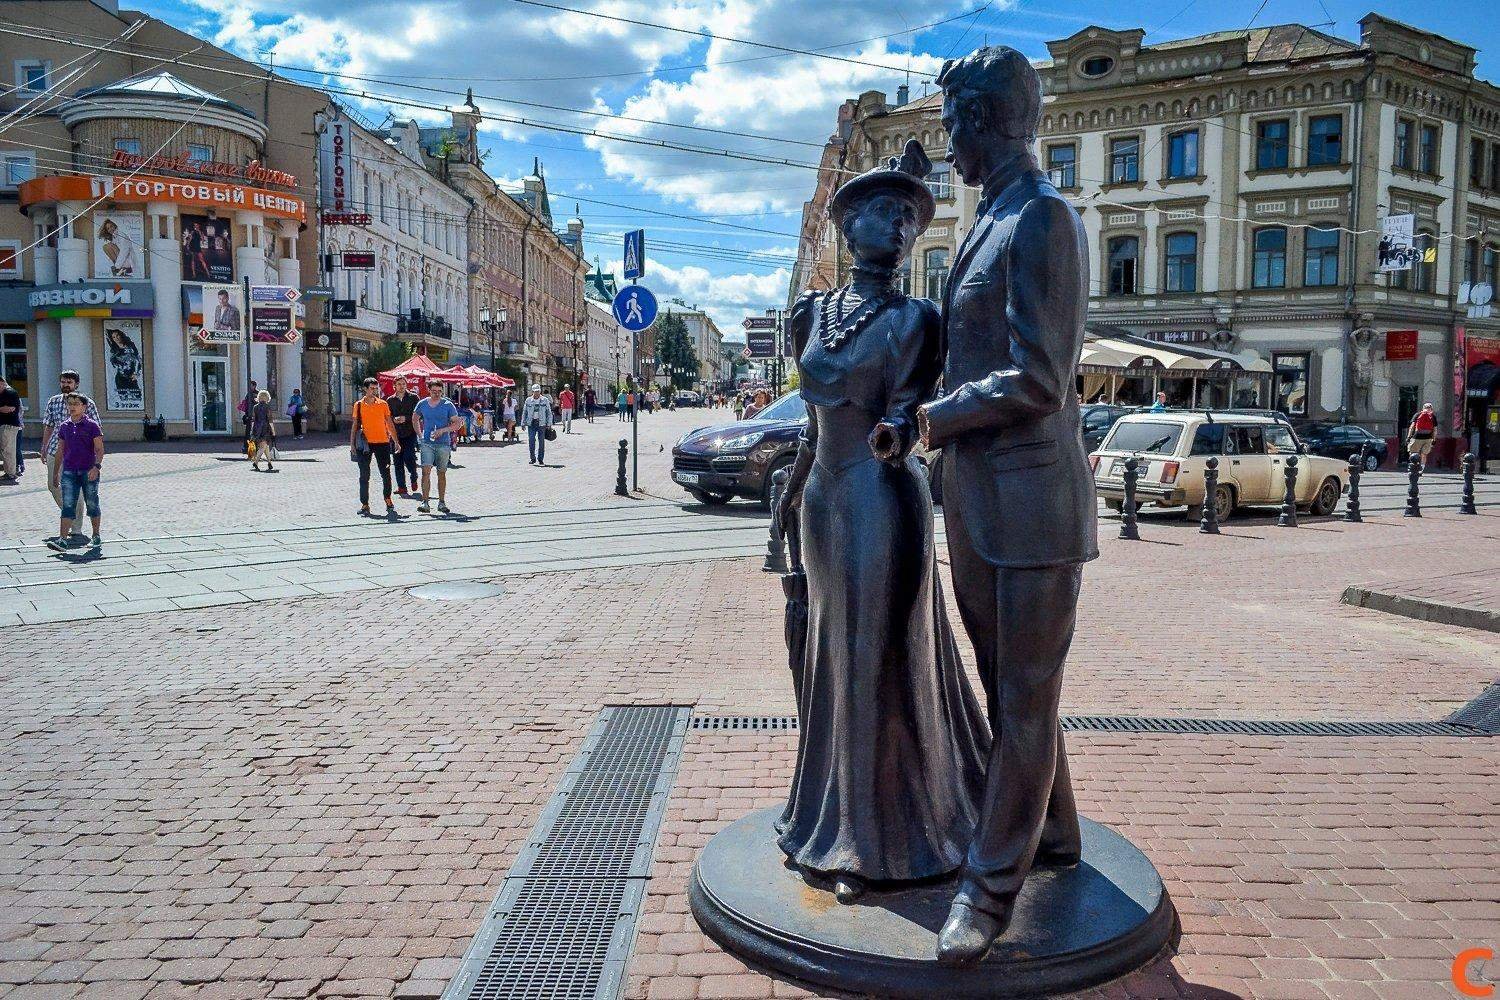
1174,446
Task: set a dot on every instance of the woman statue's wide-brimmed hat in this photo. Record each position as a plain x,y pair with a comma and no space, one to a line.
901,176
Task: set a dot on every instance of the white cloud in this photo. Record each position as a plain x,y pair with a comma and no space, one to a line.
728,298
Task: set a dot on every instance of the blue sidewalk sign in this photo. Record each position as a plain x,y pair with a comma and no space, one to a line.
635,254
635,307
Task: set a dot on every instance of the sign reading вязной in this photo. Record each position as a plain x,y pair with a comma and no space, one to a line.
102,299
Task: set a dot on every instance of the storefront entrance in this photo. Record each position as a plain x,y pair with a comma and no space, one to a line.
211,394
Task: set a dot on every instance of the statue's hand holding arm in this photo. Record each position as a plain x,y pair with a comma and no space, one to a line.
913,366
1046,291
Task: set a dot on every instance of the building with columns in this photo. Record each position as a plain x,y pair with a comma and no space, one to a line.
1233,188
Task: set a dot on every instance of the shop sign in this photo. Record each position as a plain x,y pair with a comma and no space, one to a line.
358,260
104,299
214,312
345,309
183,164
1481,349
1175,336
1401,345
325,340
345,218
357,346
171,190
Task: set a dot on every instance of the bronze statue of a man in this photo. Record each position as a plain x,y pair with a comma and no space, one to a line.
1017,490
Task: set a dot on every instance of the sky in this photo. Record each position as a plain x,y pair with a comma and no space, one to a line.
721,231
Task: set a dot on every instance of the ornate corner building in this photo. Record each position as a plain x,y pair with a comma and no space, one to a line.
1233,187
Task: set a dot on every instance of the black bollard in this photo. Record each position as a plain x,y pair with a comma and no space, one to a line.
1288,518
775,544
1356,469
1413,473
621,489
1127,509
1466,504
1209,524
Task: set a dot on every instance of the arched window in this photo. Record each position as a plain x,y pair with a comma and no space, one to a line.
1269,269
1320,257
1182,262
1124,261
935,267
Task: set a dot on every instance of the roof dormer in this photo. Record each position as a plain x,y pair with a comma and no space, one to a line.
1093,58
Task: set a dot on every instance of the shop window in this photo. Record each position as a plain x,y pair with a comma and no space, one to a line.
1062,165
935,265
1427,149
1182,262
13,361
199,153
1320,257
10,258
1124,160
1182,154
1124,260
131,146
34,75
1401,155
18,168
940,181
1291,382
1270,258
1272,144
1325,140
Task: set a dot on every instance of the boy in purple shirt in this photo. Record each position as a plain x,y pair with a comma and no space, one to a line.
82,443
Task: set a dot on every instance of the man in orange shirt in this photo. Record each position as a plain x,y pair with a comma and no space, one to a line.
371,434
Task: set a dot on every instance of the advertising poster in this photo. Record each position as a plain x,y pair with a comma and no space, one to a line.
120,245
123,357
207,250
1397,250
214,313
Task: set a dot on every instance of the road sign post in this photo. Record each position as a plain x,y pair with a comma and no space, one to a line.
635,254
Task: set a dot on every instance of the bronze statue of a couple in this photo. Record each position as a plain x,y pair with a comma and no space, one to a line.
902,775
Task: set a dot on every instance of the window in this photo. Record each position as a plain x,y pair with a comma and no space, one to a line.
1062,166
1291,383
903,277
197,152
1325,140
1424,272
1097,66
1491,271
13,360
1272,143
1246,441
33,74
1182,155
1270,258
1427,149
940,181
1471,261
1495,167
1208,439
1124,257
131,146
19,168
1402,156
1279,440
1476,163
1124,160
1182,262
1320,257
10,258
1150,436
935,265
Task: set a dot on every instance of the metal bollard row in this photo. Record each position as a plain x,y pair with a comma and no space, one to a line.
1128,527
621,489
1209,523
775,544
1288,516
1413,474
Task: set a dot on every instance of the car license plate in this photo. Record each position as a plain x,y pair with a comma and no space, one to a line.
686,478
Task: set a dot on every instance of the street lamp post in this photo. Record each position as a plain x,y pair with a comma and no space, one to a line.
493,325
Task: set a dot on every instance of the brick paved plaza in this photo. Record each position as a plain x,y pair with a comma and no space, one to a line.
320,793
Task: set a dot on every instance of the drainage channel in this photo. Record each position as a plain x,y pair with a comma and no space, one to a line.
563,925
1136,724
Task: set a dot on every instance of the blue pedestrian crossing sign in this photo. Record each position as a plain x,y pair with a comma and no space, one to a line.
635,307
635,254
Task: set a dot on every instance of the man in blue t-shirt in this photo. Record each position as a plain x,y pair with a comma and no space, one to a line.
437,422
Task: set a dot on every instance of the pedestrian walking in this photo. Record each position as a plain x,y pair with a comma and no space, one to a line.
589,399
1421,433
402,401
53,417
263,431
10,433
1160,406
81,449
565,408
371,435
622,403
296,409
437,423
508,414
536,414
246,406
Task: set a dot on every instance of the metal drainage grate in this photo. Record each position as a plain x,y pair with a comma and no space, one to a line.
563,925
1136,724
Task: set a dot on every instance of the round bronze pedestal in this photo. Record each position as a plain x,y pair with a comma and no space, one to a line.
1072,928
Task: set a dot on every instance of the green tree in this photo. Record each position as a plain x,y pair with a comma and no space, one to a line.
387,356
674,347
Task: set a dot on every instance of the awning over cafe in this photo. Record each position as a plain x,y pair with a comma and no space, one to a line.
1110,351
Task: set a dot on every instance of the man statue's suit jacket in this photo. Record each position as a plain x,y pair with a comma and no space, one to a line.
1014,467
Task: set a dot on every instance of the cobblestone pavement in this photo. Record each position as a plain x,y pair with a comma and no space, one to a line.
321,795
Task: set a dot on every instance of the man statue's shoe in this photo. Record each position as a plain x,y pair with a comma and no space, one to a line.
1061,858
969,932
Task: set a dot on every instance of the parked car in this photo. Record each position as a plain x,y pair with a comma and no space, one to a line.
716,464
688,397
1343,440
1252,450
1098,418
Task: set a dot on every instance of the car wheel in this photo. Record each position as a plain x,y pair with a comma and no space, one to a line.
1223,501
765,491
710,499
1327,498
1372,462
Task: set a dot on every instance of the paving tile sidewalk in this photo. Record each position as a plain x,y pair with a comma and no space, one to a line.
1470,599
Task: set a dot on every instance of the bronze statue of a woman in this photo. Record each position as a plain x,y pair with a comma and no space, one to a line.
890,767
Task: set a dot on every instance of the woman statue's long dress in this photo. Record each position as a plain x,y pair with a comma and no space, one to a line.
893,745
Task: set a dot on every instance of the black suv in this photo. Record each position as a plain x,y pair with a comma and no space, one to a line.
717,464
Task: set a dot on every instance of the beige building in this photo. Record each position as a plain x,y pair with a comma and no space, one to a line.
703,334
1233,188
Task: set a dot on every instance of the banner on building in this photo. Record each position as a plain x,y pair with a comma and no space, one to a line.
120,245
215,313
123,354
1398,251
207,249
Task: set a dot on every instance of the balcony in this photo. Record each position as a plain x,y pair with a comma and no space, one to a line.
418,322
